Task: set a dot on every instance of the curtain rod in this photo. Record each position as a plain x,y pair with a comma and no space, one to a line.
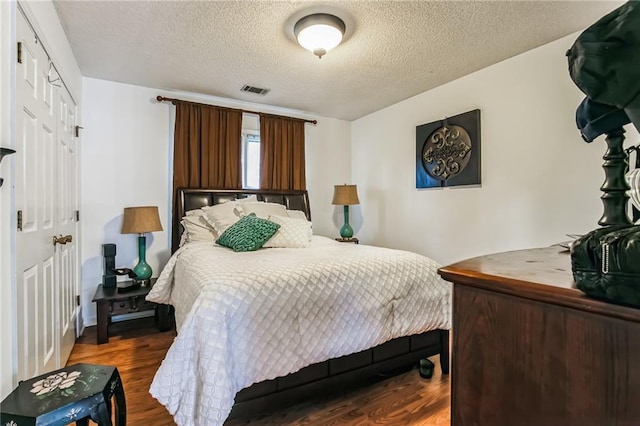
173,101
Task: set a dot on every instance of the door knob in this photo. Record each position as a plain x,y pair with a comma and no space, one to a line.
62,240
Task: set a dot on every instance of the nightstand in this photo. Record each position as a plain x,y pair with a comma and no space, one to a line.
353,240
109,302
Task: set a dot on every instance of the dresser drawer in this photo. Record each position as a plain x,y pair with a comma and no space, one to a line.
129,305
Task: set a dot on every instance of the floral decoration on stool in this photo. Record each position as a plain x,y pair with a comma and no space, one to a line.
62,380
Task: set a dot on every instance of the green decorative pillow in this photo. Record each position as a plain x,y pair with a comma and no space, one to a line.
248,234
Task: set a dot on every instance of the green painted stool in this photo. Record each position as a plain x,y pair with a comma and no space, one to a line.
75,393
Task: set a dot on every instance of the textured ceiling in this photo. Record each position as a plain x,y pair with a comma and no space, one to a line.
393,49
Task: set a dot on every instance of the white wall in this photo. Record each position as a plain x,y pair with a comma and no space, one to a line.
539,179
328,158
44,19
126,164
127,157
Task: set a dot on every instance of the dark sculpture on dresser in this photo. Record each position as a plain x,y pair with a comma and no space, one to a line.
603,63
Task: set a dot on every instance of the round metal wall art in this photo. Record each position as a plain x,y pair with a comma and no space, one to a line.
446,152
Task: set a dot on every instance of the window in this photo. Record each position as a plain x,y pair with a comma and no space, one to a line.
250,160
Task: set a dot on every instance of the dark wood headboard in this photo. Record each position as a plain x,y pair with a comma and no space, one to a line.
195,198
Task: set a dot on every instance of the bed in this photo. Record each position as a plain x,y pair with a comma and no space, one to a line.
261,368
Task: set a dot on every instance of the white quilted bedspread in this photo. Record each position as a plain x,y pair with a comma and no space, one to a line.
248,317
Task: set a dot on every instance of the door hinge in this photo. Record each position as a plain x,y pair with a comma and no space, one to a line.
78,131
78,300
77,215
19,220
19,52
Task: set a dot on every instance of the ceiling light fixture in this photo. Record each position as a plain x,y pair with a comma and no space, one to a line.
319,32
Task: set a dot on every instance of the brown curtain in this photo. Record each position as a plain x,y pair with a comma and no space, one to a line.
282,164
206,150
207,147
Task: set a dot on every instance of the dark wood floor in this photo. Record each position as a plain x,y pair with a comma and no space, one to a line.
137,349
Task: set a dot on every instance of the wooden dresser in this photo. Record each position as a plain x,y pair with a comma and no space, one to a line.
529,349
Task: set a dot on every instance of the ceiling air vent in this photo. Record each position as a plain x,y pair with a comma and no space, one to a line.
256,90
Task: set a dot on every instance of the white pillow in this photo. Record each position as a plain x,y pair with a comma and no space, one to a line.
300,215
261,209
221,216
633,179
251,198
293,233
210,221
196,228
297,214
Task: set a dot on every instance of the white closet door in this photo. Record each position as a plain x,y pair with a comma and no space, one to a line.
66,226
45,200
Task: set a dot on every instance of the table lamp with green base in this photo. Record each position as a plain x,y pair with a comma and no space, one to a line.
140,220
345,195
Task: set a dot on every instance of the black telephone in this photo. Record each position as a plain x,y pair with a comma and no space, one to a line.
125,271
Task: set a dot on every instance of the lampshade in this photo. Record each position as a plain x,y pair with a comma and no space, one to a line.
319,32
138,220
345,195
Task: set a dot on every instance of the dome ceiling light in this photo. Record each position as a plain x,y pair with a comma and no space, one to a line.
319,32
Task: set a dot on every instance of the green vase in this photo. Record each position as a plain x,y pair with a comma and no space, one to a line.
142,269
346,231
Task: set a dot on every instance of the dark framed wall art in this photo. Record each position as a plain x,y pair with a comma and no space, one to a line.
448,151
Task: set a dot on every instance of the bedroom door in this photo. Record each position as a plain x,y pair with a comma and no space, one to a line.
45,271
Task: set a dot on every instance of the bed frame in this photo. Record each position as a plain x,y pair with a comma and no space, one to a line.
325,377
